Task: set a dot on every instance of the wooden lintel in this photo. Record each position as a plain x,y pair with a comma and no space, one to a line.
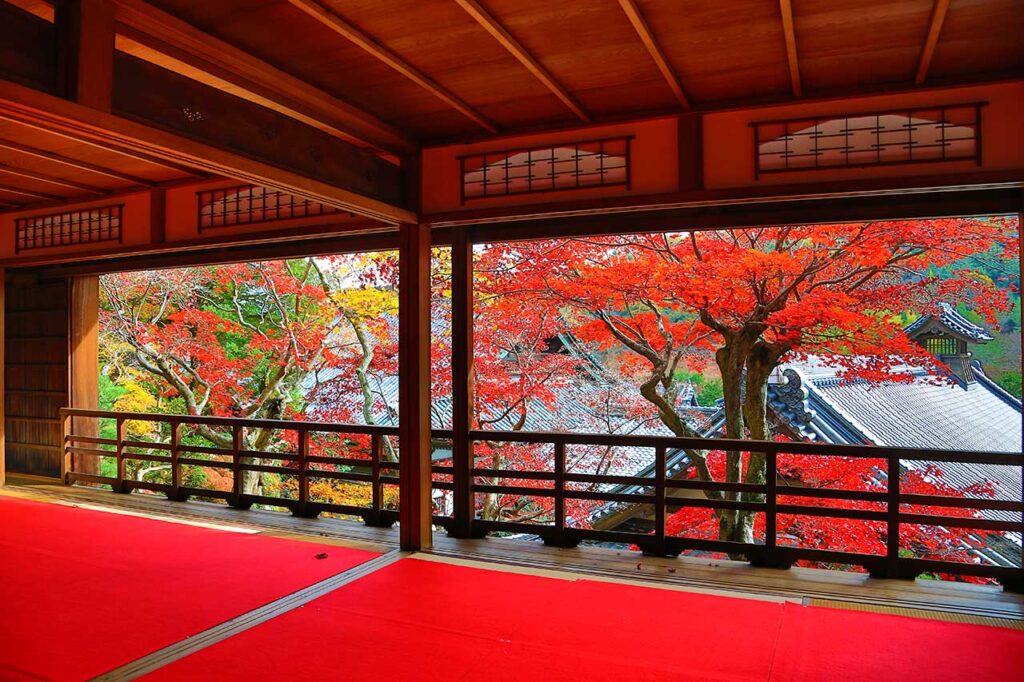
654,49
357,37
156,36
89,126
931,39
789,33
515,48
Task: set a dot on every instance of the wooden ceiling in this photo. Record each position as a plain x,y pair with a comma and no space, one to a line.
443,70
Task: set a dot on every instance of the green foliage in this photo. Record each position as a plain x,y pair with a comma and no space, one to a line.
1011,382
709,394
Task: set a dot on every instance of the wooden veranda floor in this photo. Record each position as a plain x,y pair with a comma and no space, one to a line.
944,601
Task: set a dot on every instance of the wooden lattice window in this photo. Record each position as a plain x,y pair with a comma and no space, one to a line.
82,226
564,166
247,204
923,135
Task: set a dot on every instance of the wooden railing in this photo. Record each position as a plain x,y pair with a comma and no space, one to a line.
365,466
891,506
659,490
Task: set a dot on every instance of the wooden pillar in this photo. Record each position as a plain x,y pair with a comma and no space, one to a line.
83,360
690,129
3,372
85,37
462,382
414,386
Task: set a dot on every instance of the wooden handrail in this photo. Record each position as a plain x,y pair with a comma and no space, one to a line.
238,459
654,489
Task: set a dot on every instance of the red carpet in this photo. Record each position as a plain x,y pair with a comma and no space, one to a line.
82,592
833,645
418,620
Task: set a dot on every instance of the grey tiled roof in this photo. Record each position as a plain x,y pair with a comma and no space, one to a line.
953,322
926,412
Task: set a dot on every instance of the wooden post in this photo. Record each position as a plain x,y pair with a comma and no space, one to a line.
690,129
660,498
462,383
414,387
376,487
175,451
121,473
83,361
85,34
892,553
771,499
3,372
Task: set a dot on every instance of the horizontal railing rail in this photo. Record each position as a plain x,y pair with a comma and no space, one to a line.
889,505
373,469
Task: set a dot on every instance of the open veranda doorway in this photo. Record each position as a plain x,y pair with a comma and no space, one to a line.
891,334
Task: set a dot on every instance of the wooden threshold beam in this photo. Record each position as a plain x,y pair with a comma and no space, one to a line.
501,34
103,130
162,39
789,32
931,40
654,49
50,179
357,37
74,163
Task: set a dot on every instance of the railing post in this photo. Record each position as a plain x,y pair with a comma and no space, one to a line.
892,553
120,484
771,500
302,451
376,487
660,498
236,459
175,455
560,487
66,463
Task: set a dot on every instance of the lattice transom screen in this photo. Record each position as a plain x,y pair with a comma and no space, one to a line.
84,226
574,165
925,135
247,204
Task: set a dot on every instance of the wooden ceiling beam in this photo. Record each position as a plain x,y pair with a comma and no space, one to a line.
931,40
644,31
106,131
74,163
381,53
156,36
50,179
501,34
112,147
789,33
21,191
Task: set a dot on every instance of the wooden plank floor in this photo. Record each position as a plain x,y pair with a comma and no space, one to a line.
738,578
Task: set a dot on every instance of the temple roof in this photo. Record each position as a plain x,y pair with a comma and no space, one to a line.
951,322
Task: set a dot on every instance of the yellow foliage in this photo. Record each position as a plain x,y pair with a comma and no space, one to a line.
136,399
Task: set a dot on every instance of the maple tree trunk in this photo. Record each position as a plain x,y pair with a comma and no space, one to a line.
730,364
